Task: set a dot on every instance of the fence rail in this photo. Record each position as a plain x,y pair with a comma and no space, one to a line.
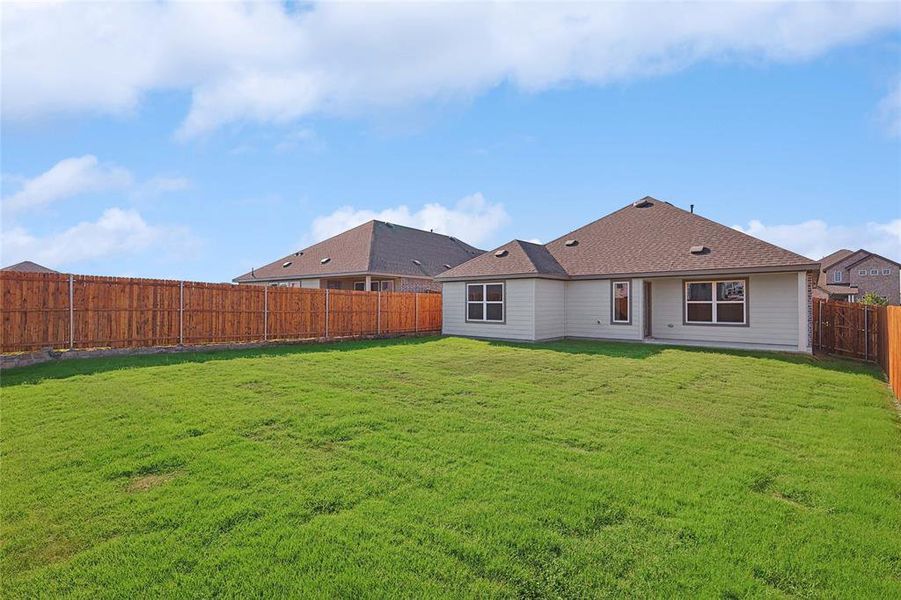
50,310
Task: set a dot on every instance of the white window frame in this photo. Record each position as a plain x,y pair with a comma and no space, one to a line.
862,272
362,285
714,302
628,319
837,276
886,271
874,271
485,302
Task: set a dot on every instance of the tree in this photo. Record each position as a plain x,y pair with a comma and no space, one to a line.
874,299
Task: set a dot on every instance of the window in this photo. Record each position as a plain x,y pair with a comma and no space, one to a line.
485,302
359,286
381,286
874,271
621,302
837,276
716,302
886,271
862,272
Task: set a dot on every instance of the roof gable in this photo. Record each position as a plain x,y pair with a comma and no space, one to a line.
513,258
27,266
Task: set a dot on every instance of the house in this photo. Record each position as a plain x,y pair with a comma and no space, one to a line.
849,275
373,256
26,266
649,271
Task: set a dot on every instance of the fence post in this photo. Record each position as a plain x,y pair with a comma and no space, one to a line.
866,333
181,313
71,311
820,319
266,313
416,323
326,312
378,314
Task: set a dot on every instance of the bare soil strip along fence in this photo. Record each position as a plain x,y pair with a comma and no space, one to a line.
864,332
58,311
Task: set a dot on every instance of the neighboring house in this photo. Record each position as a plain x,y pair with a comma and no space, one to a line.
649,271
373,256
849,275
26,266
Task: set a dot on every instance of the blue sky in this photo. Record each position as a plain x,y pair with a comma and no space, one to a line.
194,159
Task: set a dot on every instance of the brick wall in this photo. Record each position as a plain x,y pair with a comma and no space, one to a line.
409,284
887,286
812,277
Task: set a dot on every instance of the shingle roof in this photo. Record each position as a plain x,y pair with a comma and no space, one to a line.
26,266
513,258
840,289
373,247
836,257
653,237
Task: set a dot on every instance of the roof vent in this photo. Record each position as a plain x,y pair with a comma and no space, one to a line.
298,253
416,262
286,264
643,203
571,243
391,225
324,260
447,266
501,253
699,250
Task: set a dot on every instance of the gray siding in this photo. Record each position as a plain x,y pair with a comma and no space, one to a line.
588,311
773,311
549,309
518,307
309,283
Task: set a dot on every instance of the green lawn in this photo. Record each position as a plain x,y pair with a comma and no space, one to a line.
450,467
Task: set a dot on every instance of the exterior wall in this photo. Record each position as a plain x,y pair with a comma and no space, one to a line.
779,312
519,312
550,313
774,313
588,310
887,286
309,283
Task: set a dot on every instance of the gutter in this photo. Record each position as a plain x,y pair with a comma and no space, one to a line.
811,267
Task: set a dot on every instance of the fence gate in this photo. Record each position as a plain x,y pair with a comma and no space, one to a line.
848,329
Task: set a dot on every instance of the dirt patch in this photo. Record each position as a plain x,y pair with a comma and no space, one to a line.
147,482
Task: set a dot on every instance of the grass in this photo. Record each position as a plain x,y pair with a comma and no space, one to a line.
450,467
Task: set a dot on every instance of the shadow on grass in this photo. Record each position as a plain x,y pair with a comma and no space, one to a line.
62,369
639,350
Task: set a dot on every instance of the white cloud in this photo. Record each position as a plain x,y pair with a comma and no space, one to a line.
890,111
116,232
816,239
69,177
472,219
265,62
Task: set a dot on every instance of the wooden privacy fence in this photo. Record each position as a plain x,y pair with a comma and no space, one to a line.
847,329
890,339
866,332
50,310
